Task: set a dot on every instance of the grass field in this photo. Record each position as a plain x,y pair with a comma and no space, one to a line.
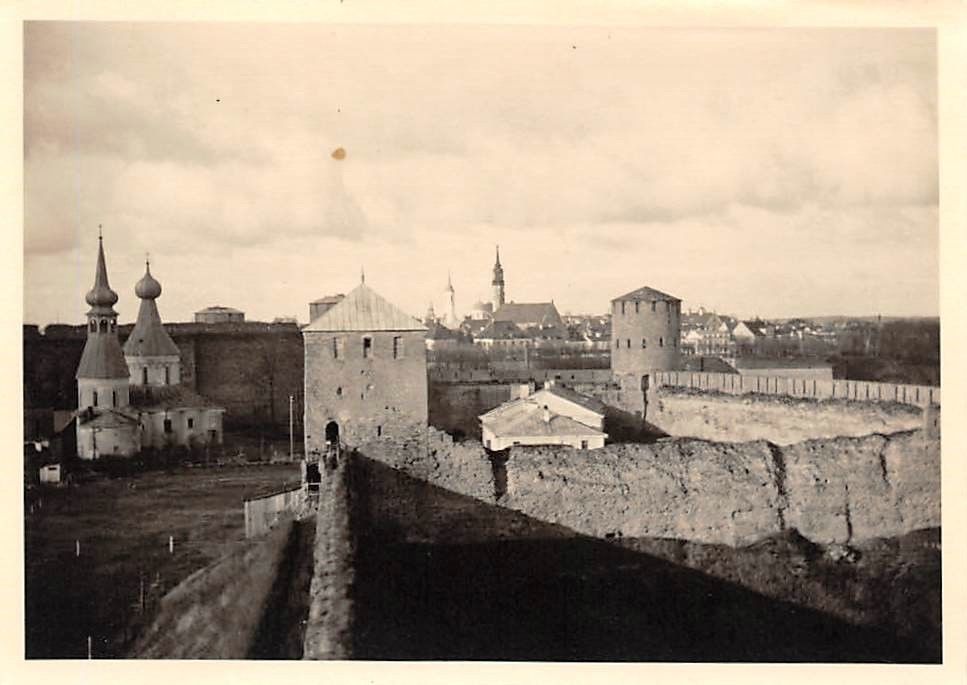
123,526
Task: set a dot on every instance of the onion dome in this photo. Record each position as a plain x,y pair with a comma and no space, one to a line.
101,294
148,287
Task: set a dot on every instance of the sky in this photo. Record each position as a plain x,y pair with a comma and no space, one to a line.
773,173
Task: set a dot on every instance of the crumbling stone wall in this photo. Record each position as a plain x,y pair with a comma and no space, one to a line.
433,456
783,420
832,491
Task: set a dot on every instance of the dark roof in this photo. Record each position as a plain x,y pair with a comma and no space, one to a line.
755,327
102,358
168,397
364,310
708,364
501,330
437,331
543,313
149,337
647,294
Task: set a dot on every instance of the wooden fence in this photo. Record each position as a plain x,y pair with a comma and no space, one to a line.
265,512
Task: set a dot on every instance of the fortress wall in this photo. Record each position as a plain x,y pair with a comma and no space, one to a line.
832,491
783,420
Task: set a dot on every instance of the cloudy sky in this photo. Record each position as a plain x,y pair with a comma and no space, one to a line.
759,172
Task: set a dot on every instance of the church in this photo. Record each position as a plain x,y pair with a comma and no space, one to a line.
131,398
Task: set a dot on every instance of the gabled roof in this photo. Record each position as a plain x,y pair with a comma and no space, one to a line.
168,397
501,330
102,358
437,331
543,313
755,327
585,401
647,294
364,310
527,419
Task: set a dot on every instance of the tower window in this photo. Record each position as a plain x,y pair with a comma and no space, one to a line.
191,423
94,399
93,326
114,398
379,431
636,306
335,348
628,343
167,425
339,391
661,342
617,343
643,344
622,307
144,375
367,347
397,347
102,327
654,305
167,375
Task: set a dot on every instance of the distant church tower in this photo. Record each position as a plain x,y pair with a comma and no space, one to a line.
151,354
498,283
451,319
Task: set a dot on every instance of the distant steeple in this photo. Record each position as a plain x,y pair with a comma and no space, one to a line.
451,304
101,298
498,283
102,357
149,338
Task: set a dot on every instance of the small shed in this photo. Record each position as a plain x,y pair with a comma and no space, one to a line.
50,473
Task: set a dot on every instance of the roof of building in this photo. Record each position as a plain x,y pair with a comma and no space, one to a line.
106,418
364,310
102,358
755,327
483,307
149,338
437,331
329,299
647,294
706,364
101,297
168,397
501,330
543,313
585,401
523,418
218,309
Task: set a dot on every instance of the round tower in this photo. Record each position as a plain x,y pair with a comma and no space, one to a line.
151,354
645,329
102,375
498,283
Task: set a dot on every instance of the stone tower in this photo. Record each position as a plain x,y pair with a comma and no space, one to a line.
645,328
102,375
365,373
151,354
498,283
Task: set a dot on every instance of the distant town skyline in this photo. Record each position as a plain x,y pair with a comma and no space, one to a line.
772,173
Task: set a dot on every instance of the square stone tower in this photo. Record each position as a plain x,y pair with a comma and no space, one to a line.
365,373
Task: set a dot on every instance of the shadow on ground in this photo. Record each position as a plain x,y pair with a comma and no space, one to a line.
444,576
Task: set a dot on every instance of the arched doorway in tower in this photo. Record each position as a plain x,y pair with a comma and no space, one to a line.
332,433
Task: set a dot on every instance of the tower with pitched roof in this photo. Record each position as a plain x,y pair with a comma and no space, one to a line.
104,425
151,355
365,373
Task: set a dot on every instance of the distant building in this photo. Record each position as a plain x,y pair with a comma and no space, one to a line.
788,368
501,334
551,416
219,314
481,311
538,320
498,283
748,333
365,372
319,307
645,333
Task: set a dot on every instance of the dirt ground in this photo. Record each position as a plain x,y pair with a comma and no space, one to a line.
123,526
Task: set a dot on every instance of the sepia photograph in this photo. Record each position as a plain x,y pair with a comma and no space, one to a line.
483,342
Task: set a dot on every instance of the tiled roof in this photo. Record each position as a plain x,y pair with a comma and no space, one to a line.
102,358
527,419
364,310
168,397
543,313
647,294
149,337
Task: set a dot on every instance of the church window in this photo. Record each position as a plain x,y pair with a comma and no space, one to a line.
167,375
144,375
167,425
114,326
93,326
191,423
367,347
103,326
397,347
94,400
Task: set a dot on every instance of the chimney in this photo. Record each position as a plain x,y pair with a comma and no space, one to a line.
547,414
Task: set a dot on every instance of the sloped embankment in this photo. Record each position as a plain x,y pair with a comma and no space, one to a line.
216,613
831,490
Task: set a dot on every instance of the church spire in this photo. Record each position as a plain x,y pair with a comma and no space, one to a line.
101,297
498,283
149,339
102,357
